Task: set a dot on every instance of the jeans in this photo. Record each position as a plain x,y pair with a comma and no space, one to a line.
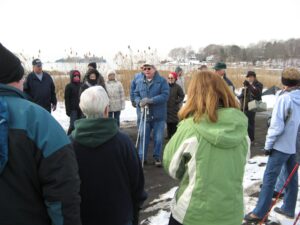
158,128
276,161
251,124
115,115
74,115
281,179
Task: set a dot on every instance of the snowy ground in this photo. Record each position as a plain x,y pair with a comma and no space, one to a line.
253,178
127,115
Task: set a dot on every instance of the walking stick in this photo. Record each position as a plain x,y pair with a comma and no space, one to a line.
297,219
139,128
244,103
144,133
278,195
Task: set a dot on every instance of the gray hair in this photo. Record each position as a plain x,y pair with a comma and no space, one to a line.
93,102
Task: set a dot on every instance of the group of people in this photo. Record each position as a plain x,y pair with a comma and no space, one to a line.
95,175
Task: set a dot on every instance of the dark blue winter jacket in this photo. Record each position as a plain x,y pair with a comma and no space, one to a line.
42,92
158,91
39,182
229,82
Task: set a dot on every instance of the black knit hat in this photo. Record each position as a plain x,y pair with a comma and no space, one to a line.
11,68
251,74
93,64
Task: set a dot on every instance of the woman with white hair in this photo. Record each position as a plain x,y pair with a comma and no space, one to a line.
112,180
116,96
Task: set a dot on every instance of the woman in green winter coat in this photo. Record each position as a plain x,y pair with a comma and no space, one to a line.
208,155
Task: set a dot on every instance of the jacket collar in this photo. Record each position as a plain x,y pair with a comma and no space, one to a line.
6,90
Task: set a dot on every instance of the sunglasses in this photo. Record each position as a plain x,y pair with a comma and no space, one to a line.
147,68
171,78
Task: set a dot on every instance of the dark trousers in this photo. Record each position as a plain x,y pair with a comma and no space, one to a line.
171,127
172,221
74,115
251,124
115,115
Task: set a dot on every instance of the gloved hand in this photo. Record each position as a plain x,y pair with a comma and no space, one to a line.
145,101
246,83
268,152
133,103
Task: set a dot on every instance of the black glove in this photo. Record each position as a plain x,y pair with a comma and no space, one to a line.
145,101
268,152
133,103
246,83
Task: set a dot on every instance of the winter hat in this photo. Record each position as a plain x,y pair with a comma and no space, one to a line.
290,77
110,72
178,70
93,64
75,76
220,66
174,75
37,62
74,73
251,74
11,69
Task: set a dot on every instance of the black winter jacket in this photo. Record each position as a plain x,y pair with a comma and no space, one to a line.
72,97
41,92
112,185
175,101
253,92
39,182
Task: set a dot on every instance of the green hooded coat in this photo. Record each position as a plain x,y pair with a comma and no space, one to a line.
209,159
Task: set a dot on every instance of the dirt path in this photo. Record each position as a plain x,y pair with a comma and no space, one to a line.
158,182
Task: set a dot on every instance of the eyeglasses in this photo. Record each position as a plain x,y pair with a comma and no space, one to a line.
147,68
171,78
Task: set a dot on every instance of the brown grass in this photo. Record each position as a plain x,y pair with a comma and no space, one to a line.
269,78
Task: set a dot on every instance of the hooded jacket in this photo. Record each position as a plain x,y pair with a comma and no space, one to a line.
112,178
72,96
39,182
209,159
282,133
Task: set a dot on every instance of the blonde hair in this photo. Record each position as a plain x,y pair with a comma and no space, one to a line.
93,102
206,93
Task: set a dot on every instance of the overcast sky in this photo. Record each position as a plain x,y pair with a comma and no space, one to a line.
105,27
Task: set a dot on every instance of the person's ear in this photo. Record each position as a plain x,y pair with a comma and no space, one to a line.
106,110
